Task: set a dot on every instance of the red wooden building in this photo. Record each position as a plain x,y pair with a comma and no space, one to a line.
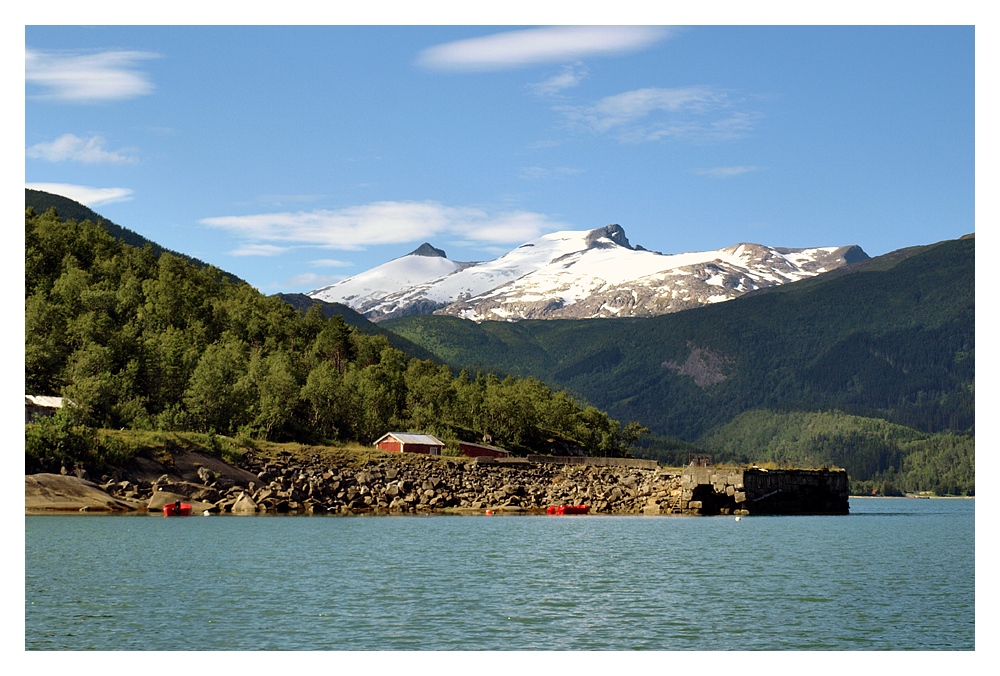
481,450
398,442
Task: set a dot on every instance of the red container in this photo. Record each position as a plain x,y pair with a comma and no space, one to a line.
562,510
172,510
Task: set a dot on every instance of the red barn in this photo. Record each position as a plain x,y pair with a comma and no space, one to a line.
397,442
481,450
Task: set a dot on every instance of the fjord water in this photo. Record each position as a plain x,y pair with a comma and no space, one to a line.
894,574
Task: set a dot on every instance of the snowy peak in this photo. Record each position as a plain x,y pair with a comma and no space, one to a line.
600,237
364,292
576,274
426,249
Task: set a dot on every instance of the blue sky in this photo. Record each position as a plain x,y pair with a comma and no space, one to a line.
295,156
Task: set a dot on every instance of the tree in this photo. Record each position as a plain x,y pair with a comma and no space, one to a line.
333,344
214,396
328,400
277,392
379,395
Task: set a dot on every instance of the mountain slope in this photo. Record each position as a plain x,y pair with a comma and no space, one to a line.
42,201
892,337
302,303
371,292
69,209
576,274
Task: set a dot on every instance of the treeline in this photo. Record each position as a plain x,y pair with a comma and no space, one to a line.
144,341
879,456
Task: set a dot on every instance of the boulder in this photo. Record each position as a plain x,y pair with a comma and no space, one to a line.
68,493
244,505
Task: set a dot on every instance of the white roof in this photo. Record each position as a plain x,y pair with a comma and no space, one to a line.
47,402
425,439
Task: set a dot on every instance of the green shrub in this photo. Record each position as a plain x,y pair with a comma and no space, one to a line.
58,436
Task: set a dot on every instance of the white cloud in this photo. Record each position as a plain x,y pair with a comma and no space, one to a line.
76,149
652,114
84,194
356,227
621,109
87,78
258,250
726,172
570,77
514,49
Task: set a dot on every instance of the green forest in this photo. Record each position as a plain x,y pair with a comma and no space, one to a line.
880,456
146,340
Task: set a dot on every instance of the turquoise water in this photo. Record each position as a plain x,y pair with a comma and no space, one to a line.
895,574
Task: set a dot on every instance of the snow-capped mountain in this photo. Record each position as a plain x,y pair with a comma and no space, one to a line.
576,274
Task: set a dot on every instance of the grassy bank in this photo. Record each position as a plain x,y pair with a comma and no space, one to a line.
51,443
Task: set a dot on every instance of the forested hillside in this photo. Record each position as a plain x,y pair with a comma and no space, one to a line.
41,201
889,340
879,455
147,340
304,303
893,338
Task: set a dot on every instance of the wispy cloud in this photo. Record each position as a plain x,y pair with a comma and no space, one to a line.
75,149
258,250
515,49
726,172
570,77
651,114
84,194
87,78
357,227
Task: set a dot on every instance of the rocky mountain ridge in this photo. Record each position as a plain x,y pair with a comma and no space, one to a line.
576,275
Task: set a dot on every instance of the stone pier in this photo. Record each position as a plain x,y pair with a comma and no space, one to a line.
743,491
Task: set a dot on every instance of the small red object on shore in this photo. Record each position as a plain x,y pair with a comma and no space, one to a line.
173,509
562,510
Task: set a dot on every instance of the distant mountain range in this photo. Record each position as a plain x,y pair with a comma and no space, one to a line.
576,275
891,337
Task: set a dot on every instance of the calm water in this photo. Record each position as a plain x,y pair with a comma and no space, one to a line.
895,574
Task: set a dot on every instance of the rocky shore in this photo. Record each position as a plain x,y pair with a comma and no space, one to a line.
383,485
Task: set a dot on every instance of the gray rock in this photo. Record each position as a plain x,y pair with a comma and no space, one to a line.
244,505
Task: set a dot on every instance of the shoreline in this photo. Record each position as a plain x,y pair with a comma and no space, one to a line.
915,497
374,484
363,483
